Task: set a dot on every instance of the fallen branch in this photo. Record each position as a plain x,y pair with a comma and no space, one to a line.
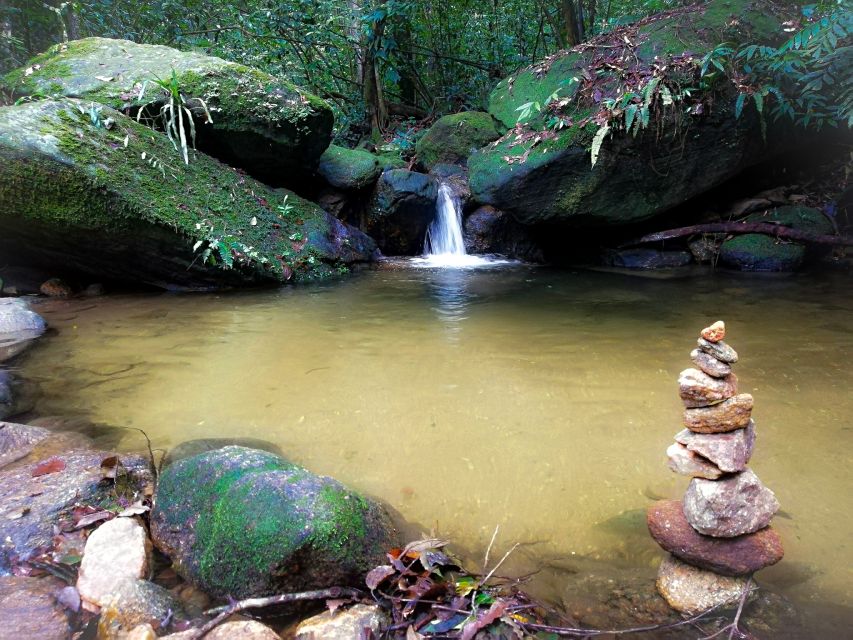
775,230
225,612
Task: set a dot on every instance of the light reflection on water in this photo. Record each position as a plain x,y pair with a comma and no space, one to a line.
537,400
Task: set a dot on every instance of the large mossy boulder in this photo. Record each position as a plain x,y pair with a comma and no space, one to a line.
543,174
454,137
263,124
402,207
759,252
96,192
241,522
348,169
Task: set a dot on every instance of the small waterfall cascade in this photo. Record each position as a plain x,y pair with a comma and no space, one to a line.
444,235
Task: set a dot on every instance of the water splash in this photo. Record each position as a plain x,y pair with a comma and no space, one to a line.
444,245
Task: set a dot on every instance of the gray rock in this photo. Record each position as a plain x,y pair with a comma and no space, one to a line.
487,230
29,610
691,590
698,389
729,507
19,326
18,440
402,207
16,395
135,603
720,350
30,507
687,463
358,621
729,451
646,259
709,364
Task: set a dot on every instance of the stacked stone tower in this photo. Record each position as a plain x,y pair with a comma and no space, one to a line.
719,534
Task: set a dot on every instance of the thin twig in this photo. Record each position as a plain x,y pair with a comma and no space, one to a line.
489,548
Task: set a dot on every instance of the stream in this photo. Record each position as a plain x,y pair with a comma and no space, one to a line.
534,399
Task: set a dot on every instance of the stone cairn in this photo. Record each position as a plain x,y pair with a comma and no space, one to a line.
719,534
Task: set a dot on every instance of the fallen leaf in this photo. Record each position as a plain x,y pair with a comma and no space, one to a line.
109,467
48,466
92,518
376,576
136,509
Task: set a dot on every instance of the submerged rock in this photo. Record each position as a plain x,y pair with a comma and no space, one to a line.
487,230
728,415
698,389
402,208
19,325
16,395
76,194
739,556
691,590
348,169
240,522
29,609
729,451
729,507
261,123
18,440
135,603
454,137
647,259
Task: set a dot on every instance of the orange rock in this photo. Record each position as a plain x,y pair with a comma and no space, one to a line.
715,332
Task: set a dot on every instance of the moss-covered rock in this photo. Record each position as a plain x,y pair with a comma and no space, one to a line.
452,138
261,123
401,209
758,252
540,175
241,522
348,169
115,200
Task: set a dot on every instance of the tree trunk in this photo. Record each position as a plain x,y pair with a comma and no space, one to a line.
569,17
374,101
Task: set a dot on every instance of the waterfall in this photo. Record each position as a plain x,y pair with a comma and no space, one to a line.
444,236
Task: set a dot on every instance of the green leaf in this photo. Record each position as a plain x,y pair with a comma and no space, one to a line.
739,104
597,141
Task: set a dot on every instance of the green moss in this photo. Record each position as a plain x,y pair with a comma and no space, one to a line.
349,169
757,252
803,218
452,138
340,530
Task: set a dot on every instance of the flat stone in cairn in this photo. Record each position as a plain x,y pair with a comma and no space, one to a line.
698,389
709,364
720,350
692,590
729,507
687,463
738,556
728,451
733,413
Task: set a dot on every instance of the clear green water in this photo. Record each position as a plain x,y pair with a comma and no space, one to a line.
536,400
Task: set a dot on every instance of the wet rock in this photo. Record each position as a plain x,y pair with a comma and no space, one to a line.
18,440
646,259
360,620
348,169
135,603
19,326
454,137
29,609
58,443
698,389
691,590
733,413
191,448
17,395
240,522
715,332
118,551
487,230
401,209
30,507
720,350
142,632
729,451
729,507
56,288
705,249
235,630
737,556
709,364
687,463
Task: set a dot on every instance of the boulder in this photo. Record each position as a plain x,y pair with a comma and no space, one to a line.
543,175
118,551
240,522
720,350
261,123
454,137
402,207
709,364
698,389
348,169
729,507
692,590
19,325
119,202
37,497
728,415
357,621
18,440
29,609
487,230
757,252
233,630
687,463
646,259
738,556
729,451
135,603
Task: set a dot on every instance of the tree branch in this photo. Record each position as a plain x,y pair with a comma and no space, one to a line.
775,230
